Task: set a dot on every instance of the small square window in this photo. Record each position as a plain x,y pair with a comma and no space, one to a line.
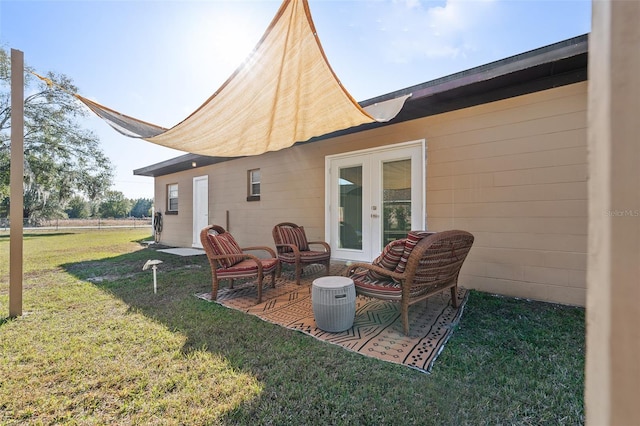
253,185
172,198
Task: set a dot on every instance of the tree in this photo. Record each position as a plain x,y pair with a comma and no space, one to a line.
114,205
78,208
61,158
141,207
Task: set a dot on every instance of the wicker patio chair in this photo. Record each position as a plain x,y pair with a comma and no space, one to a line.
229,261
293,248
413,269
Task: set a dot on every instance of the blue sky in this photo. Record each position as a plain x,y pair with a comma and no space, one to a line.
159,60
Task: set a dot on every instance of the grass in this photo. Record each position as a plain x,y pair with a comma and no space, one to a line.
96,346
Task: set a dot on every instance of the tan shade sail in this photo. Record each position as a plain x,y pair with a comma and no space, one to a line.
285,92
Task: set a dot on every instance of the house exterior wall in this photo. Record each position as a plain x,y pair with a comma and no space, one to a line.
512,172
176,228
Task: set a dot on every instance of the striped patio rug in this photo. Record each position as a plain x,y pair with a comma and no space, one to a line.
377,328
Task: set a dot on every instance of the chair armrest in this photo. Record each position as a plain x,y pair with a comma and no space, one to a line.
380,270
260,248
246,256
326,246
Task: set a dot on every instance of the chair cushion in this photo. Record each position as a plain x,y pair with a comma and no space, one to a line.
225,244
295,236
308,256
382,289
247,267
412,240
388,259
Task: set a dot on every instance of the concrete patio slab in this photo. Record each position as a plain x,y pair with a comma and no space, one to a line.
183,251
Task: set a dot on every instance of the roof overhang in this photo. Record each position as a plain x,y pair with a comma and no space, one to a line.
551,66
178,164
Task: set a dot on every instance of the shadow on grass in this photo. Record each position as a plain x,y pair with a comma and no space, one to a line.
206,325
37,235
303,377
499,367
5,320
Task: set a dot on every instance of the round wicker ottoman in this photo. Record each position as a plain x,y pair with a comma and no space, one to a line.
334,303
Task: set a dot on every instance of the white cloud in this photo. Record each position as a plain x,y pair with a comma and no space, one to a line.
418,29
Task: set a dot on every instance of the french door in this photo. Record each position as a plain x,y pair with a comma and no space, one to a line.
374,197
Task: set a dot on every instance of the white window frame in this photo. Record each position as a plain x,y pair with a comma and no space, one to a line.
172,194
252,182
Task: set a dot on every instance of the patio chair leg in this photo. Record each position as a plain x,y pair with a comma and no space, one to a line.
214,289
259,290
298,273
405,319
454,296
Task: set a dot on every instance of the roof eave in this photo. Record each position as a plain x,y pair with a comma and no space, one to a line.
178,164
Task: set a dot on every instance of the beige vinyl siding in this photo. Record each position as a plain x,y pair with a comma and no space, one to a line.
177,228
512,172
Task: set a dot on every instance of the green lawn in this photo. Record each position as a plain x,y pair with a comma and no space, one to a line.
96,346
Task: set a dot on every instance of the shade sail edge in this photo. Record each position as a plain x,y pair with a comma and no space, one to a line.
285,92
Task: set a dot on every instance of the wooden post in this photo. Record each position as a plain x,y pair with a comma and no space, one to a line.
613,292
17,181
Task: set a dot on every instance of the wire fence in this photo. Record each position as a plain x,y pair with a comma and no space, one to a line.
99,223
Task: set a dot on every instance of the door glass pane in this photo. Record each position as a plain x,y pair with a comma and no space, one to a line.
351,207
396,200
